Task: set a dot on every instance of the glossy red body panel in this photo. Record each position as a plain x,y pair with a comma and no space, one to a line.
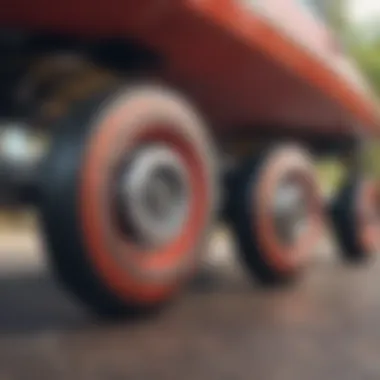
245,63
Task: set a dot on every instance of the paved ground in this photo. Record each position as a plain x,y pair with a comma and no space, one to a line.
224,327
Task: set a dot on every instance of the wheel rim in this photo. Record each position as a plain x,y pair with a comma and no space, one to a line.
132,270
368,213
154,258
288,166
154,195
290,211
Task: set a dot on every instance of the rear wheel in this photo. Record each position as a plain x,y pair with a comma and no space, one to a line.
275,210
356,216
128,195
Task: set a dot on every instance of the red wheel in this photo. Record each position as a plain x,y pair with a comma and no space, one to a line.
129,193
276,212
356,216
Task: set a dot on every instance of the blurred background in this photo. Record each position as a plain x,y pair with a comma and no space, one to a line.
357,24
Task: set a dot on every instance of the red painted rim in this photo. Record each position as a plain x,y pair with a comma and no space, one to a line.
281,257
123,266
367,203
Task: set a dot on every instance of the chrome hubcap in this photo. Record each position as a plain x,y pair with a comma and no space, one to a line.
154,194
290,211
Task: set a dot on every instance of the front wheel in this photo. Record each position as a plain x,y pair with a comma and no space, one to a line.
128,195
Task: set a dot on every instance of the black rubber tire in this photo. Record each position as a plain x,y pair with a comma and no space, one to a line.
58,209
58,203
345,221
240,185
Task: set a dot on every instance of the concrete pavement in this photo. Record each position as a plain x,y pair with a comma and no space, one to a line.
223,327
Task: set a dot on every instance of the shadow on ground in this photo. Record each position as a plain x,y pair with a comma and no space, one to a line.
32,300
326,325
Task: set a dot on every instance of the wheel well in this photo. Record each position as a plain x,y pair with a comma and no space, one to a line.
20,51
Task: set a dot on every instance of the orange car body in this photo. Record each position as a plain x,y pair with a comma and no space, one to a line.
245,62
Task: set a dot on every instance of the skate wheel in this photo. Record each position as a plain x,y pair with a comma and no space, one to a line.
128,195
276,212
356,216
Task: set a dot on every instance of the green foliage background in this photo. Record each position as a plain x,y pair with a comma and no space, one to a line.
362,42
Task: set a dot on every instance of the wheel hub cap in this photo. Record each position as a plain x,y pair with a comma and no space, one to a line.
290,211
154,194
